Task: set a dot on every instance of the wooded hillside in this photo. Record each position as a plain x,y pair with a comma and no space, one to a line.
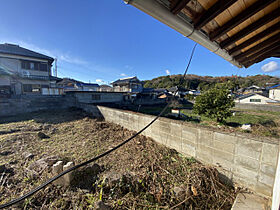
204,82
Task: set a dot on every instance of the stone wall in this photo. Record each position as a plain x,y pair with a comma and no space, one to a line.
96,97
248,161
267,107
25,104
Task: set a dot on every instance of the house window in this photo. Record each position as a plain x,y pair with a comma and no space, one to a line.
43,67
255,100
34,66
95,97
28,88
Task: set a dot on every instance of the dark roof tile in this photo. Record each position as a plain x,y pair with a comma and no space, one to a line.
12,49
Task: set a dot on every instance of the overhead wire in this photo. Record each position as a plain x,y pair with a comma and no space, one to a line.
32,192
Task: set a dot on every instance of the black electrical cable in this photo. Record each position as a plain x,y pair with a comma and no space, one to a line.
12,202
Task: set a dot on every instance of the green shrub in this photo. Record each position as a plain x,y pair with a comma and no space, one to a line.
215,103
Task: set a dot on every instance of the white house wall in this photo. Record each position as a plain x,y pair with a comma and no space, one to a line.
14,65
247,100
11,65
274,94
4,80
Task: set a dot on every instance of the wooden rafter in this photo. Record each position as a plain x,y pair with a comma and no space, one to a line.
254,26
241,17
255,38
179,6
267,50
259,47
260,58
212,12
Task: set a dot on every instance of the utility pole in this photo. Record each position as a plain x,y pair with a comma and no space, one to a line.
55,67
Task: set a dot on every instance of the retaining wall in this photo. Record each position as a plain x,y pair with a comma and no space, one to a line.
248,161
267,107
25,104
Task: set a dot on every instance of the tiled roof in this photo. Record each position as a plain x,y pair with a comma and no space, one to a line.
126,80
12,49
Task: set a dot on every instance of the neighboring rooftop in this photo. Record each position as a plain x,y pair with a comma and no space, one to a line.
126,80
12,49
69,81
242,32
275,87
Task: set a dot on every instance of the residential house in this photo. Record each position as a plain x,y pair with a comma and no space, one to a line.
255,89
194,92
130,84
105,88
178,90
88,86
160,90
74,85
254,98
274,92
23,71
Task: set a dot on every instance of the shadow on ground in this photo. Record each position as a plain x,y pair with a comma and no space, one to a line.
48,116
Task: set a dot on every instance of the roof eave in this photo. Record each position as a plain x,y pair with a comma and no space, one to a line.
161,13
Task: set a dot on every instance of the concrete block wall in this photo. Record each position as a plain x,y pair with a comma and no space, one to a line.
247,161
266,107
14,106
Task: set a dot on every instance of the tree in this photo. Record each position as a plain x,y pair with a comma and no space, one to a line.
215,103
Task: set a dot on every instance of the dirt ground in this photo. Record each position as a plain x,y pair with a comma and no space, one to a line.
140,175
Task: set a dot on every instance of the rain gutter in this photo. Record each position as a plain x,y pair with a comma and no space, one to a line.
161,13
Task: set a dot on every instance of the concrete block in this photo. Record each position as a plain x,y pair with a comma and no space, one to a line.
176,129
244,182
270,154
205,137
226,138
204,149
188,148
248,147
69,176
248,174
223,155
245,201
221,162
204,153
190,134
204,157
268,169
174,142
224,146
247,162
263,189
57,169
265,179
163,138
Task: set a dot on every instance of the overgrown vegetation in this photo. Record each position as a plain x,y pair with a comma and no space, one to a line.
140,175
264,123
215,103
206,82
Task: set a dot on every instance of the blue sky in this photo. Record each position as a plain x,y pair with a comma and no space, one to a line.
104,40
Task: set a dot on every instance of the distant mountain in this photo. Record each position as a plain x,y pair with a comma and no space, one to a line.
204,82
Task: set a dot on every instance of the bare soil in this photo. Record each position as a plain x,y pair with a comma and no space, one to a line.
140,175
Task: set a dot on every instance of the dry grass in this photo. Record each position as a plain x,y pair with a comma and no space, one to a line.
148,172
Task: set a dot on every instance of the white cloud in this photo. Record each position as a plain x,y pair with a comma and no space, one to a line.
99,81
128,67
123,75
270,67
167,72
68,61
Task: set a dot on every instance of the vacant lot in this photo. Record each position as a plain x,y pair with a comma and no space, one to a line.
140,175
264,123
